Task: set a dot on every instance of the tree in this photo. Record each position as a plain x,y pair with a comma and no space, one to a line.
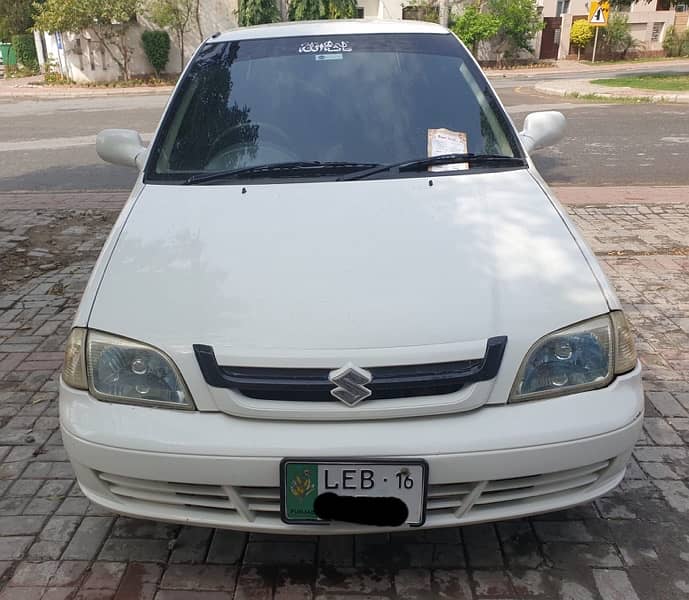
341,9
581,35
256,12
474,26
519,23
176,15
15,18
676,43
197,17
308,10
108,19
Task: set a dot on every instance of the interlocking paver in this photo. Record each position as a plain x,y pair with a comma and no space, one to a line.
140,582
199,577
482,546
492,584
69,573
104,575
452,584
413,583
192,545
13,547
54,544
153,550
88,538
614,585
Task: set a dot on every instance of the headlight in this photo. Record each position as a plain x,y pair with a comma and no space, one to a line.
576,359
122,370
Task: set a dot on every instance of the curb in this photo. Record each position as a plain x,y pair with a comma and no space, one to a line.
583,87
563,68
27,93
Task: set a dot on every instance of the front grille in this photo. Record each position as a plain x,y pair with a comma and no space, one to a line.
314,385
243,502
447,501
460,498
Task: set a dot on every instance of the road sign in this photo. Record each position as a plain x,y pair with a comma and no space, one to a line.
598,14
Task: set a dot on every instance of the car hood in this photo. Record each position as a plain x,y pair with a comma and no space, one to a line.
325,268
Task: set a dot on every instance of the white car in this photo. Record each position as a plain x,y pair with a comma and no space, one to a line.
341,299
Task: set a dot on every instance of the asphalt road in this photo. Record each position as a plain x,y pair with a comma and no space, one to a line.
49,144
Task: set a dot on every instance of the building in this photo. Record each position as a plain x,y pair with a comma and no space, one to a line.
649,21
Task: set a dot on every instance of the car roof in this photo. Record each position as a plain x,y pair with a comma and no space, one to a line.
334,27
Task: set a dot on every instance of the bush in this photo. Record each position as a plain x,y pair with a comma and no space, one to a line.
676,43
157,48
25,48
616,39
474,26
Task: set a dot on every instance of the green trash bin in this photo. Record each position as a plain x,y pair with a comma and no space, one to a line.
9,56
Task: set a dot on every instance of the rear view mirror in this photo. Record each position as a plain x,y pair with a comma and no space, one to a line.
542,129
122,147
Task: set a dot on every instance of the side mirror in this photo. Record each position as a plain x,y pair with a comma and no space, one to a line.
122,147
542,129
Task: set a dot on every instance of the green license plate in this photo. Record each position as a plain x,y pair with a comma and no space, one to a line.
303,480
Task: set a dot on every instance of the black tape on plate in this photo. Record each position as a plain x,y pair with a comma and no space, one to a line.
362,510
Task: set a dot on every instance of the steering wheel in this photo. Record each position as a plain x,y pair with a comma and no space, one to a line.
273,141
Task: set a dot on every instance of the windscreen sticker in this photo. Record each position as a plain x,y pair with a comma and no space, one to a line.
324,47
445,141
329,56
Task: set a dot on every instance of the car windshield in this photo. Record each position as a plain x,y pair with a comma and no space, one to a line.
315,107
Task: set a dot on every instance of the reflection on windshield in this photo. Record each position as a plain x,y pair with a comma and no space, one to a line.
258,102
214,129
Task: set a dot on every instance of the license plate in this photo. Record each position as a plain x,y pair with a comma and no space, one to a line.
304,480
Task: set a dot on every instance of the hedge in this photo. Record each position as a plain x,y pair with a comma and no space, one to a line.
25,47
157,47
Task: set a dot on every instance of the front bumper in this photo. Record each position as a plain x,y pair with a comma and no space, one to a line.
211,469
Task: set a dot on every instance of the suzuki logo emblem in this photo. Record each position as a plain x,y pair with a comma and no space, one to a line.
351,384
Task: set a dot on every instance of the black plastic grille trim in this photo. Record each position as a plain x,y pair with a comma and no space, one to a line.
267,383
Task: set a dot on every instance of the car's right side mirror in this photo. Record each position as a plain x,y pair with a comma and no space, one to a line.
542,129
121,147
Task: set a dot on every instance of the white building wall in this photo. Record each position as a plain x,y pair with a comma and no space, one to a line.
83,59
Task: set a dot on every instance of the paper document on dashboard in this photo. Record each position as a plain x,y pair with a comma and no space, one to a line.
445,141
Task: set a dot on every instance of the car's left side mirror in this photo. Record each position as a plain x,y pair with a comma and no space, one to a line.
122,147
542,129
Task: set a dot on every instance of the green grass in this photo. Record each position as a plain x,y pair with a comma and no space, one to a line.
667,82
600,99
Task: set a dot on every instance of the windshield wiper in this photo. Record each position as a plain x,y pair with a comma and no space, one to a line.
281,169
443,159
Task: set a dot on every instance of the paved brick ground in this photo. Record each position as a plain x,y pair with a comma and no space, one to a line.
633,544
